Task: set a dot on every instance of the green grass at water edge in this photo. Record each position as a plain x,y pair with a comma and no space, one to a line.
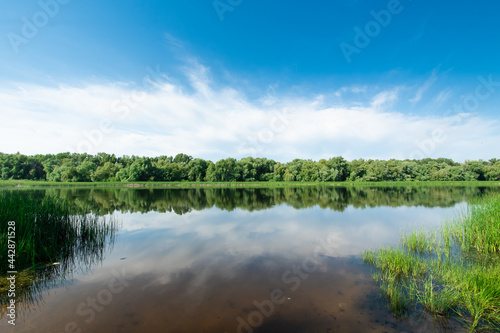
419,242
48,230
456,274
53,237
476,228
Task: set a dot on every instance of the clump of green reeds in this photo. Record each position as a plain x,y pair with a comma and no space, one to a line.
52,238
49,230
476,228
455,274
398,264
419,242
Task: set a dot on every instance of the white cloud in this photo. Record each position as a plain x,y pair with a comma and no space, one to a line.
427,84
443,96
211,121
384,98
172,41
356,89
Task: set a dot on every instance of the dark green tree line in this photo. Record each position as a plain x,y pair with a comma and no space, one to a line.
102,167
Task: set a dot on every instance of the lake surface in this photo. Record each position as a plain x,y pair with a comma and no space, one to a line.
237,260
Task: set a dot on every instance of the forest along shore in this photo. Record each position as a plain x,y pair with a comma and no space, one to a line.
103,167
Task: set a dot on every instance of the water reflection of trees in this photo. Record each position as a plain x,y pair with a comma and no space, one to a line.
181,201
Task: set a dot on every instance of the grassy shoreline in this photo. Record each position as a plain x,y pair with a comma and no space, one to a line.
41,184
453,274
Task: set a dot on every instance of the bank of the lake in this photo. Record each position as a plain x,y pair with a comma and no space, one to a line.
254,184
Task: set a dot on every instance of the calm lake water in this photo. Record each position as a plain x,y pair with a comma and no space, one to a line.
237,260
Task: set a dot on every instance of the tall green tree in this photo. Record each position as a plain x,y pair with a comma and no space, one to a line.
226,170
197,169
106,172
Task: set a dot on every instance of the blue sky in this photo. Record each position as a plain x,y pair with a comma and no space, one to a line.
284,80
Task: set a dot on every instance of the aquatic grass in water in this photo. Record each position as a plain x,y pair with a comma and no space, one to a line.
398,264
396,296
419,242
454,275
477,228
49,230
53,237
